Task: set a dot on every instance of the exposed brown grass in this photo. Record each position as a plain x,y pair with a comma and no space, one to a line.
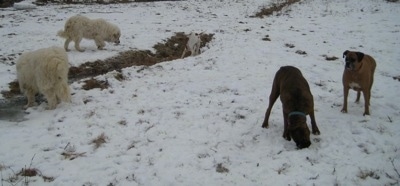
99,140
72,155
276,7
94,83
14,90
221,169
22,177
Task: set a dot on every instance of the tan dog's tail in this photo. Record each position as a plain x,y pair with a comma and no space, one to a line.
62,33
63,90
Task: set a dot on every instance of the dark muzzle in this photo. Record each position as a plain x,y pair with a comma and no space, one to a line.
303,144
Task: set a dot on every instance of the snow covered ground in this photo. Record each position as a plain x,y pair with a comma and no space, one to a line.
197,121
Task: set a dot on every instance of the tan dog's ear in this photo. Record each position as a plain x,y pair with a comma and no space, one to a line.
345,53
360,56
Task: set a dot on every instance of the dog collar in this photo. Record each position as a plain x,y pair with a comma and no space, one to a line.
297,113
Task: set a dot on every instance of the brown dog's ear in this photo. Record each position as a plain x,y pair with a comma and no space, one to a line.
360,56
345,53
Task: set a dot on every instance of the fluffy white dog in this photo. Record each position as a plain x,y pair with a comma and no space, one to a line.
78,27
44,71
193,45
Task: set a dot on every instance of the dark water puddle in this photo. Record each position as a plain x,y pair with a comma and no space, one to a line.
12,110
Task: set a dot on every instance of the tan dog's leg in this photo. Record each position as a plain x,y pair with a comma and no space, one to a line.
63,93
314,127
31,98
99,43
367,96
345,94
183,54
196,49
77,42
272,98
51,99
66,44
367,93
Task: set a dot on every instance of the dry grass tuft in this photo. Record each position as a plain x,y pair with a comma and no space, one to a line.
29,172
221,169
72,155
330,58
99,140
14,90
94,83
22,177
301,52
289,45
365,174
123,122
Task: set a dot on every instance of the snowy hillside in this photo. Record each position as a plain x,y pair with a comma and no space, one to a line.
197,120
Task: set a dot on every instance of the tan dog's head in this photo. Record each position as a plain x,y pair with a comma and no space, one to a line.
299,131
115,37
353,60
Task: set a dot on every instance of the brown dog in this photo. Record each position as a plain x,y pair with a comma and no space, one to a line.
358,75
297,103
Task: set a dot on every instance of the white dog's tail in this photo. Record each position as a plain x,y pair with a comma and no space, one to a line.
62,33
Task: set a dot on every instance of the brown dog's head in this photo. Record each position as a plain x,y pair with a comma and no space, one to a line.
299,131
353,60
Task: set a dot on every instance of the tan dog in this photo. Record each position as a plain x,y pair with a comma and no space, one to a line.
358,75
193,45
78,27
44,71
297,103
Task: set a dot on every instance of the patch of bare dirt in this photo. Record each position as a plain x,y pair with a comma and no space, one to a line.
275,7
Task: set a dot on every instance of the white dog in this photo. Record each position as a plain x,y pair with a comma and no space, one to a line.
78,27
193,45
44,71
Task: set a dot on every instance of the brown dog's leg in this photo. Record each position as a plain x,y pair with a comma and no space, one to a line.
271,103
367,95
314,126
272,98
345,94
358,96
286,133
